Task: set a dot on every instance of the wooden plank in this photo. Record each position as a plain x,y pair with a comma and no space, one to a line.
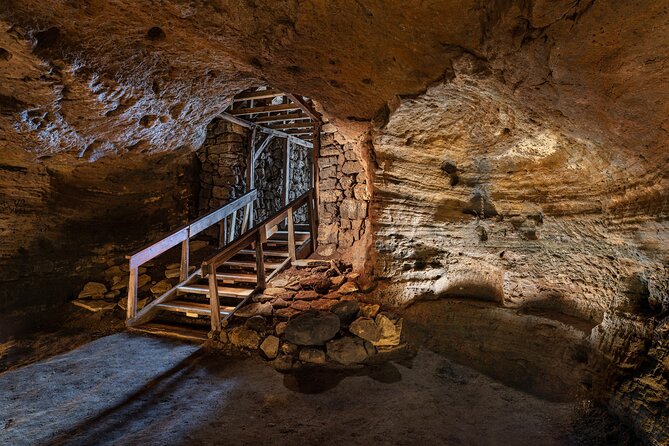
233,226
237,277
139,258
182,306
257,94
278,117
223,291
251,263
314,223
250,252
293,125
214,217
223,232
278,133
263,109
308,109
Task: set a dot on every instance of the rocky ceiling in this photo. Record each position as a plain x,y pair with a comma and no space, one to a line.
100,77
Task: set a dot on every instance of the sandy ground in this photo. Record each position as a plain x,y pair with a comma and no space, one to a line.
134,389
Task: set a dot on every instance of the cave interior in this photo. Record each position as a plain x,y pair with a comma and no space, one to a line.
350,222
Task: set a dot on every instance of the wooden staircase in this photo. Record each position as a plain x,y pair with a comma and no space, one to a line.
238,270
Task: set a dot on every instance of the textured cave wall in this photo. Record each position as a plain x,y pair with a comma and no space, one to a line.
519,143
62,226
480,196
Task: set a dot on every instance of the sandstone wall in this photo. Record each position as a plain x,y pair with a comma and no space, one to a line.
61,226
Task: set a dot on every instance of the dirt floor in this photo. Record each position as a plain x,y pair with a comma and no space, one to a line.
134,389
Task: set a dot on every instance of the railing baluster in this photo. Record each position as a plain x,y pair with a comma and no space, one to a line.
214,303
233,226
313,220
291,235
132,292
260,261
185,258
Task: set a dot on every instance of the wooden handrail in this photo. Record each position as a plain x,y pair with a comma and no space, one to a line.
181,235
155,249
248,236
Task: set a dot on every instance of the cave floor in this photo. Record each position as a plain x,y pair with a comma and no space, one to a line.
134,389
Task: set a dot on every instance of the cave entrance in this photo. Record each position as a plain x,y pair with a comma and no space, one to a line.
264,216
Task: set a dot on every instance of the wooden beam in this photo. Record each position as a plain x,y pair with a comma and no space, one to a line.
264,109
257,94
286,172
308,109
281,117
249,124
262,147
294,125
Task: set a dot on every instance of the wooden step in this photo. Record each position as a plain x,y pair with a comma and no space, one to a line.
283,235
278,242
172,331
268,253
251,264
237,277
191,308
224,291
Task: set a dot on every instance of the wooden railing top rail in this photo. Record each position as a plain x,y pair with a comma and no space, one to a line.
249,236
184,233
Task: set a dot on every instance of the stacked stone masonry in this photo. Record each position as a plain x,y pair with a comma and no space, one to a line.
344,196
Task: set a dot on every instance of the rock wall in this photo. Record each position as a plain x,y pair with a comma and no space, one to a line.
480,196
62,225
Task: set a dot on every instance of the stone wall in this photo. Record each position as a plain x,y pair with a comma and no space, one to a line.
343,196
268,179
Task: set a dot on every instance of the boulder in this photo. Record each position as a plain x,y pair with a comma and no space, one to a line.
280,328
95,305
257,323
312,328
301,305
316,283
285,312
161,287
346,310
270,347
390,330
348,288
93,290
366,329
306,295
369,310
312,355
244,338
347,350
256,308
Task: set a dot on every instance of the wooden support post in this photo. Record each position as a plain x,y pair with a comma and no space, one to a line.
223,232
185,258
260,260
291,235
250,172
132,293
214,303
285,189
316,152
313,223
233,226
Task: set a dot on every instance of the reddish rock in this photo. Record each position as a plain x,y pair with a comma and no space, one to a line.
301,305
322,304
306,295
285,312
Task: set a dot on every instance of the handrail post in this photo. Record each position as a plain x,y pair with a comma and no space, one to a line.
260,261
291,235
312,219
132,292
185,258
213,299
